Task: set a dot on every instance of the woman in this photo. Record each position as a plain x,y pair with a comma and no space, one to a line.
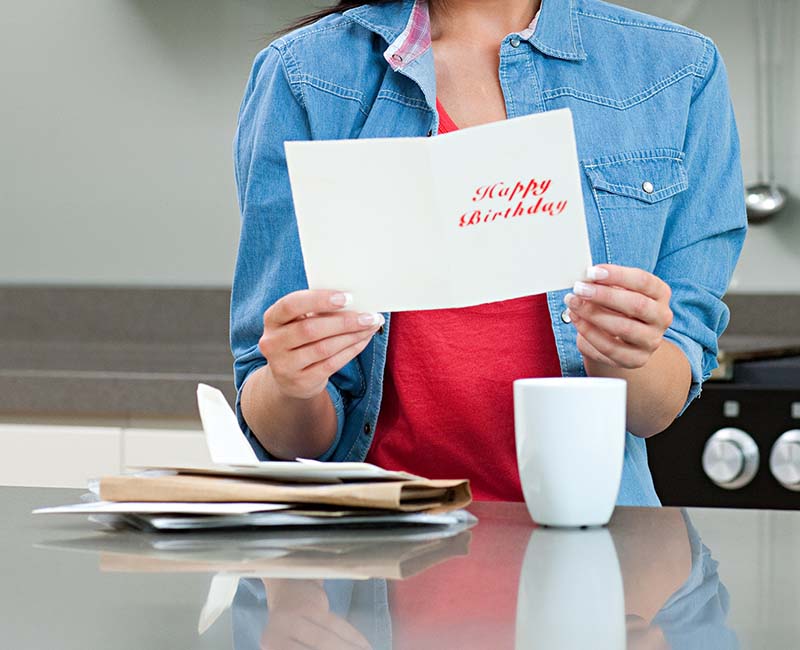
664,208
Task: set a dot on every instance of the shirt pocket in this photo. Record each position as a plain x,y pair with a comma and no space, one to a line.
633,193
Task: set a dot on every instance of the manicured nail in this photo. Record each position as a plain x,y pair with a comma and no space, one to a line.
569,299
596,273
341,299
584,289
371,319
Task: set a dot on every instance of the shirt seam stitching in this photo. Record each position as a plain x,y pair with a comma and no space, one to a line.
631,158
412,102
628,102
705,66
290,69
332,89
636,23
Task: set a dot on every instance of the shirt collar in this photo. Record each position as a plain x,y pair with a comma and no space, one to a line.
405,25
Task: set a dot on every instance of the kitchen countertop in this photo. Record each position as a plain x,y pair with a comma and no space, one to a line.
656,578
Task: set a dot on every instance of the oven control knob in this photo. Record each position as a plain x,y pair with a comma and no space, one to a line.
730,458
784,460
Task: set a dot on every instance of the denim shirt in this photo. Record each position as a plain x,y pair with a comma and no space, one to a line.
657,144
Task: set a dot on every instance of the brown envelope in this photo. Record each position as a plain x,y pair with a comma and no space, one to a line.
404,496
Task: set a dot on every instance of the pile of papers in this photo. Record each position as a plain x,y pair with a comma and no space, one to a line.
238,491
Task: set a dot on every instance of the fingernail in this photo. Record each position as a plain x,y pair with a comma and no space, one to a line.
371,319
569,300
596,273
341,299
584,289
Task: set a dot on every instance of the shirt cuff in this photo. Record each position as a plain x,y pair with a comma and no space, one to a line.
694,354
258,448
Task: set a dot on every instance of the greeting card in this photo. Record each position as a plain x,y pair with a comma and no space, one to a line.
479,215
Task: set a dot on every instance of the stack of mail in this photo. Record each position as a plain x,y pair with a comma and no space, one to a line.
239,491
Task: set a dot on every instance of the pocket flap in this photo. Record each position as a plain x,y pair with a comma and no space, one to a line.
648,176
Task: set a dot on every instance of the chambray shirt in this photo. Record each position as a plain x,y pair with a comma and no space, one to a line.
657,143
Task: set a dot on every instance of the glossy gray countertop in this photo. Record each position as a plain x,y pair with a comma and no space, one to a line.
656,578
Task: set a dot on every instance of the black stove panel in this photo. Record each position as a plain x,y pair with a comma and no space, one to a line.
764,412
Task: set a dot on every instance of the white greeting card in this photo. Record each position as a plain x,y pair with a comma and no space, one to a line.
479,215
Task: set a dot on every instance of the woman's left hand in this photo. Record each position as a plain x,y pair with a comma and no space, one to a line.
621,315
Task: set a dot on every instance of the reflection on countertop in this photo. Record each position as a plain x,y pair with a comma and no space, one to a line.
645,582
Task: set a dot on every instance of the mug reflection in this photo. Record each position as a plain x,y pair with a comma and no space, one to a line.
645,583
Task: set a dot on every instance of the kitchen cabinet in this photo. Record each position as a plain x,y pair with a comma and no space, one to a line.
55,455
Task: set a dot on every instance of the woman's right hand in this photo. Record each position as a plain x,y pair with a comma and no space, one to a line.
308,336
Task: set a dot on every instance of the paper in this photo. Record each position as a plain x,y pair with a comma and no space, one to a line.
484,214
297,520
226,442
220,597
406,496
233,456
150,507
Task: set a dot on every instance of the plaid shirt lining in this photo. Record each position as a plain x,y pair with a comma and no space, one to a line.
416,37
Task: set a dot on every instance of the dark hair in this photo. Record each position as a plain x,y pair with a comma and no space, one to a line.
342,5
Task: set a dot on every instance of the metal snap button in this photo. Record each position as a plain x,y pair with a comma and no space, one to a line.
397,58
648,187
367,428
380,330
514,42
565,317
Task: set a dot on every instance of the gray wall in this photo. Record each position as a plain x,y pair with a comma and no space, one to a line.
117,117
116,124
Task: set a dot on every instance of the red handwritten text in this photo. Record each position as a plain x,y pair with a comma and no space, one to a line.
530,200
504,191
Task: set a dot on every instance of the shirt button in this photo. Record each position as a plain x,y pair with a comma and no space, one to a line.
380,330
648,187
565,317
397,58
514,42
367,428
430,133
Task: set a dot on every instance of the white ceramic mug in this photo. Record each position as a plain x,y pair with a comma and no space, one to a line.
570,435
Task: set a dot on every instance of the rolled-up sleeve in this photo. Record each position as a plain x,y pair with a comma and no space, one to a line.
706,227
269,264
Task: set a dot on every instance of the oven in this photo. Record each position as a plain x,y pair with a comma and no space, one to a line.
738,444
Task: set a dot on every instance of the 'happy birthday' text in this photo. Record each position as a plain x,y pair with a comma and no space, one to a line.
530,200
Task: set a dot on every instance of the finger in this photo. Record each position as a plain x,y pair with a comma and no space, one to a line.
345,631
629,330
590,352
314,633
629,303
629,278
307,330
300,303
619,352
313,353
333,364
272,641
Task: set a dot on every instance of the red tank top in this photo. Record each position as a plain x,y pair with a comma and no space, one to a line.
447,409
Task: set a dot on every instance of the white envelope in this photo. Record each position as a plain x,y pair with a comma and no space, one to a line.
479,215
233,456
